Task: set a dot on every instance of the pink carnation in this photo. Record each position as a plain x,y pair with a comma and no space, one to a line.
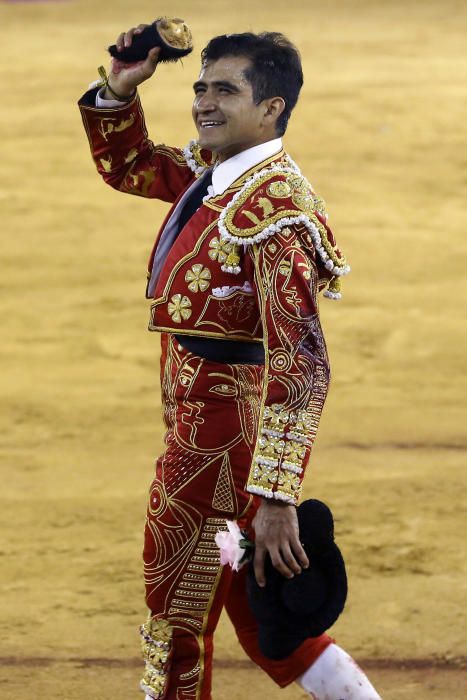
231,550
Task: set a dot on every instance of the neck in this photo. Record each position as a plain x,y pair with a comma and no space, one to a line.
224,155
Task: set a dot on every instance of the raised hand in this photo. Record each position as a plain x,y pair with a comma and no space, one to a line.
125,77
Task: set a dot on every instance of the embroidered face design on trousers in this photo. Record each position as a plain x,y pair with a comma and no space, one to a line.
224,111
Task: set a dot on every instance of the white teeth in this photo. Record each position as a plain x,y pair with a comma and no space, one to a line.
208,124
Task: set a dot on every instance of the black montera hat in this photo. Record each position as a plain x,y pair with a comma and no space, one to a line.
288,611
172,35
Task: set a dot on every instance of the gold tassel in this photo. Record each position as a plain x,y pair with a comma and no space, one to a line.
232,262
334,289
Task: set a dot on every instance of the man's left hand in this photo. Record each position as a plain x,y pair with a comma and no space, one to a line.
277,533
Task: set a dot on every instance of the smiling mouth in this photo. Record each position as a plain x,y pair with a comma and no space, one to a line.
210,124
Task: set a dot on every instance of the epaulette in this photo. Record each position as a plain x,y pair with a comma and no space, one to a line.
273,199
197,158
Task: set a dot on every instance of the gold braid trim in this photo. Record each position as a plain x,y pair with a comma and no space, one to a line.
274,199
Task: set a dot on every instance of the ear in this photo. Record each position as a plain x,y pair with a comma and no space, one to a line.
273,108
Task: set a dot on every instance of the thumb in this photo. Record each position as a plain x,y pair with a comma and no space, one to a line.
152,58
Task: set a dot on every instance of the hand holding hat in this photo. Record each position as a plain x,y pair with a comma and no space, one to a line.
172,36
288,611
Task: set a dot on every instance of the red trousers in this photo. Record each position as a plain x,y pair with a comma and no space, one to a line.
211,413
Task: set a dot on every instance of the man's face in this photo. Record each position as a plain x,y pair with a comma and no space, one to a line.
227,119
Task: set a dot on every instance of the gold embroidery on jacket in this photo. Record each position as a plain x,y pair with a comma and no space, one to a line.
179,307
108,125
219,250
106,164
198,278
131,155
148,178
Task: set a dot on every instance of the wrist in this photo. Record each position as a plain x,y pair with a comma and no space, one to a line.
274,502
122,93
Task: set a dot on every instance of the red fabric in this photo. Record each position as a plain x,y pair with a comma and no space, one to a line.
285,671
211,413
126,158
273,298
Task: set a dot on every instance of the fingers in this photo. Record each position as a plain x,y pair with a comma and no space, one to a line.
284,562
120,43
125,39
290,560
300,553
258,565
154,53
153,57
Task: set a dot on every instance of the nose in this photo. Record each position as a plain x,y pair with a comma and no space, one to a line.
205,103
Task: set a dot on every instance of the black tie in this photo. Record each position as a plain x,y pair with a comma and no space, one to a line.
195,199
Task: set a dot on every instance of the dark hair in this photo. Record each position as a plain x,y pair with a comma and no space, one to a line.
276,68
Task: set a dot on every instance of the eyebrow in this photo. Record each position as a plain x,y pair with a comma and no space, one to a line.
216,83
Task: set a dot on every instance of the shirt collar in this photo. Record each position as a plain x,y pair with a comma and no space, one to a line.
230,170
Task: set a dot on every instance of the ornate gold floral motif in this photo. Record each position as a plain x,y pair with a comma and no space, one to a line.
198,278
270,447
263,478
179,308
295,452
279,189
275,417
219,250
156,645
289,483
302,194
300,422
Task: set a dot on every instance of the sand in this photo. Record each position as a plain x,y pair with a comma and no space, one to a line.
380,131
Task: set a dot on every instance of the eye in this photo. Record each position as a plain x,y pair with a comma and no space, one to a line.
185,379
223,389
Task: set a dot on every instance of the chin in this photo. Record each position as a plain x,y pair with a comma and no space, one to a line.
207,143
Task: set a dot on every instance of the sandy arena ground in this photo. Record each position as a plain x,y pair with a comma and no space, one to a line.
381,131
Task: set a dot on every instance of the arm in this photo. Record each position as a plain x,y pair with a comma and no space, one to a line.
295,386
124,155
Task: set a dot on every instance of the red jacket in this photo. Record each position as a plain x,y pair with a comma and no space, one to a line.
248,265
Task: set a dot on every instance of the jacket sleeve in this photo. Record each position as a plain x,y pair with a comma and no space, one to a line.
297,370
124,155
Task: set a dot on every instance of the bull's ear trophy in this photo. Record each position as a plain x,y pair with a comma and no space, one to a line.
172,35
